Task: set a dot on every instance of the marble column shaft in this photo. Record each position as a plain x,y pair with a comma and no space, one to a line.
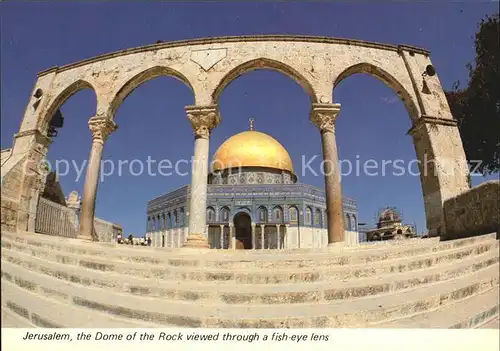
324,116
261,237
277,237
253,237
203,119
101,128
221,236
232,237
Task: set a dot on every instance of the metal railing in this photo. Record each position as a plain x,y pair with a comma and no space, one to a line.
55,219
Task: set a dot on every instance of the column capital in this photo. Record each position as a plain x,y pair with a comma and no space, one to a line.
101,128
323,116
203,119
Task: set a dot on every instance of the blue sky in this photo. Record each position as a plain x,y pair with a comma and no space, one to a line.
372,123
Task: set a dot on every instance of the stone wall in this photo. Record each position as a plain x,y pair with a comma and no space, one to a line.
11,185
5,155
473,212
105,230
53,190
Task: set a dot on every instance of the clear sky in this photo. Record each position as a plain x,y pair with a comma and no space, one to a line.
152,122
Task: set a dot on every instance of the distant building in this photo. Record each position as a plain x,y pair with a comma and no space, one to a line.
390,226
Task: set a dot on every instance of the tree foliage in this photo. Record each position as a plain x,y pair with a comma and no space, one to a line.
477,107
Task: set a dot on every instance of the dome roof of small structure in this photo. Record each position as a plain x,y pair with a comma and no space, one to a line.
389,215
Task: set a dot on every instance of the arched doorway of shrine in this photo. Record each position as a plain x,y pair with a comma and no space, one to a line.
243,231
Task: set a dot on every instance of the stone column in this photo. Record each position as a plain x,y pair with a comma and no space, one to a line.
278,241
286,236
444,172
324,116
262,237
203,119
207,227
221,236
101,128
232,237
253,236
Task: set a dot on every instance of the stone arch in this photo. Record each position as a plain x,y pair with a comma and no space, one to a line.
61,98
387,79
354,223
133,83
241,211
263,63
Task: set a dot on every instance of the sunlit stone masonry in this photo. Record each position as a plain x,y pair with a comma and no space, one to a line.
66,276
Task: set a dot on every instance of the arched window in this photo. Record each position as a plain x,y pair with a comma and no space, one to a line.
210,215
175,220
308,216
292,212
169,220
180,217
162,219
278,214
354,223
262,214
224,213
317,217
347,224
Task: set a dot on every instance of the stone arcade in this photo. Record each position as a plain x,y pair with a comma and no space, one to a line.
209,65
415,283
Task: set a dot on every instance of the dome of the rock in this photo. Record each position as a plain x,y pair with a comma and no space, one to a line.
252,149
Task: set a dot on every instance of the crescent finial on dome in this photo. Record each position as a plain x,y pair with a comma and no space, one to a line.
251,120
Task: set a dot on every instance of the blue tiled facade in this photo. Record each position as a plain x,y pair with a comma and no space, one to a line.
293,204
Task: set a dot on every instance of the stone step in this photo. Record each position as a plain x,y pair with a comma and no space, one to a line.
279,273
11,319
234,259
237,293
39,311
358,312
493,323
469,313
258,276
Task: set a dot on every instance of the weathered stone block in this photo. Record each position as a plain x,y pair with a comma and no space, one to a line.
473,212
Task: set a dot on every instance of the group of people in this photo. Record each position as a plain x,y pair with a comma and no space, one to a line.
133,241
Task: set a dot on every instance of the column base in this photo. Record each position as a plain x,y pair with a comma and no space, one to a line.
338,245
196,241
85,237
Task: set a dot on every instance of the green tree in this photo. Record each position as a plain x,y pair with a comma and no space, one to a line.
477,107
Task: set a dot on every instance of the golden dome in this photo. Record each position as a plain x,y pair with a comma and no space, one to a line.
252,149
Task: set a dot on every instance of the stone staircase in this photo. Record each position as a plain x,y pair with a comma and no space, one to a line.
421,283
